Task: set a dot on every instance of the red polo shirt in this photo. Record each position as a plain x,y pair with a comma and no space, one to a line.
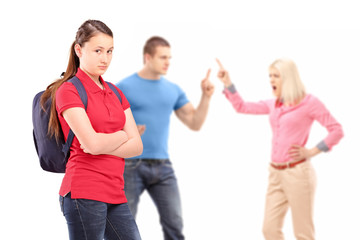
95,177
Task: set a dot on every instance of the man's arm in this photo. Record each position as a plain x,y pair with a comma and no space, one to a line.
194,118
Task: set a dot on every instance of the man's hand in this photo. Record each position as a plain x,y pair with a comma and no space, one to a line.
141,129
206,86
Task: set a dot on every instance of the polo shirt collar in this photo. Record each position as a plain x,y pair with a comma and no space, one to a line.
90,84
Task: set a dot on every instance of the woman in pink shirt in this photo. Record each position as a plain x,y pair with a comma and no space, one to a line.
92,196
292,178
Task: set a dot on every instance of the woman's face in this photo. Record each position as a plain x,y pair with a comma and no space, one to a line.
275,81
95,55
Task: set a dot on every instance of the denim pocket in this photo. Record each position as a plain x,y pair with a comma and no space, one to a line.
132,164
167,163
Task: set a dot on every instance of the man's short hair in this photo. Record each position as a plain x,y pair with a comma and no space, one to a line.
154,42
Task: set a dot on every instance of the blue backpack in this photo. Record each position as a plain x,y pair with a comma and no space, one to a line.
53,156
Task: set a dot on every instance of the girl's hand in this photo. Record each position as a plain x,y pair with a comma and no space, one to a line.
84,149
122,141
223,75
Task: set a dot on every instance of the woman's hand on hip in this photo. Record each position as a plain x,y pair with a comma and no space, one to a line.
298,152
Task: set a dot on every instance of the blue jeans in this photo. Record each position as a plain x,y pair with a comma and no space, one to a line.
158,178
94,220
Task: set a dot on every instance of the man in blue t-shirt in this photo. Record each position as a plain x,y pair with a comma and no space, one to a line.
153,99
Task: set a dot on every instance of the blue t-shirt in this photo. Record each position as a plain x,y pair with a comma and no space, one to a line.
152,102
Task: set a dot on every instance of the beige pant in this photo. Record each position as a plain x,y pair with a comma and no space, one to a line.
294,188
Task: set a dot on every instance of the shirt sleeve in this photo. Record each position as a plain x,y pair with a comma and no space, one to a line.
67,97
182,99
320,113
262,107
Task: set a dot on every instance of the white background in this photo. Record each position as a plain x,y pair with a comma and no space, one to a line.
222,170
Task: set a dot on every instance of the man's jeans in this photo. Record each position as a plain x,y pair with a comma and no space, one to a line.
94,220
158,178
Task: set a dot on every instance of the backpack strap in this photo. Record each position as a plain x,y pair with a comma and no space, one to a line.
81,90
113,88
83,96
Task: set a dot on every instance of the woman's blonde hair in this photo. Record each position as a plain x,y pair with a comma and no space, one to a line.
292,90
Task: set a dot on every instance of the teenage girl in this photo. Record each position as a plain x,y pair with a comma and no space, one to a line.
92,194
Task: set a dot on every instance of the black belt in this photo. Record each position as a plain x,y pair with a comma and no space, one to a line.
150,160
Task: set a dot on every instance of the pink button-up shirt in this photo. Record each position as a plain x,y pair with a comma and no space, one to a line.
290,125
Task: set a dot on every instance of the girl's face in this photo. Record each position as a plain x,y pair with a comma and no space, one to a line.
95,55
275,81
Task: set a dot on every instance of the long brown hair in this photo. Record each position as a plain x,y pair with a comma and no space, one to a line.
86,31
